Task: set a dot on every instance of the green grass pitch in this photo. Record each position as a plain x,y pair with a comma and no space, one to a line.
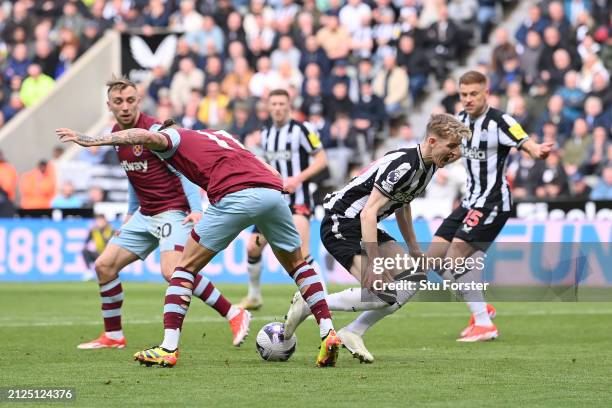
549,354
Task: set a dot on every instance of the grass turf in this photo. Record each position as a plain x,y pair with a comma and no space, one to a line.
549,354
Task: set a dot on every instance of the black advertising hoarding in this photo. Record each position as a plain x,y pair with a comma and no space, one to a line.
140,53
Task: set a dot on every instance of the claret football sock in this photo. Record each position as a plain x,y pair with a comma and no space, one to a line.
312,291
111,294
205,290
178,297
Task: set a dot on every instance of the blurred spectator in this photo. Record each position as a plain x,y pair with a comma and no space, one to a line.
187,78
451,95
159,79
442,38
183,51
67,56
334,38
401,138
523,179
352,14
603,189
596,156
535,23
579,188
529,57
8,177
66,197
14,106
486,17
95,195
414,60
242,123
521,114
286,52
264,79
234,31
446,185
186,18
601,89
71,18
20,19
18,63
576,148
314,54
365,73
503,50
97,239
551,178
208,36
369,112
239,77
213,71
156,15
36,86
391,84
558,20
591,66
93,154
338,103
573,97
213,108
38,186
594,114
554,114
317,119
46,56
189,119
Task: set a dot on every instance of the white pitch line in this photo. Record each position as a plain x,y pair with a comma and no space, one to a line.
593,312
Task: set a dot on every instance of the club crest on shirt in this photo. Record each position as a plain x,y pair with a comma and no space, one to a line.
137,149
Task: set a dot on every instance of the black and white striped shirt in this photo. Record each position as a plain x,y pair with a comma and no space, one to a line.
400,175
288,150
485,156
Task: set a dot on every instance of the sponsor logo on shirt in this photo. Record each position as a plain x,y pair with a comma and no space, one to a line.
135,166
280,155
473,153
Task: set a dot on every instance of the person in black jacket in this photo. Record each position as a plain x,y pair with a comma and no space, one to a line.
415,61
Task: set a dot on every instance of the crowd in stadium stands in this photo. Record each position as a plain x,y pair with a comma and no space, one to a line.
354,68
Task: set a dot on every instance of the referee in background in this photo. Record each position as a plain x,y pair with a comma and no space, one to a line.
294,149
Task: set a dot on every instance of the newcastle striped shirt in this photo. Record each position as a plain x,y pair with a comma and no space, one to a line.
400,175
485,157
288,149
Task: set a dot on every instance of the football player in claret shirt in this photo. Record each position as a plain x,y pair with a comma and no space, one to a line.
243,191
163,206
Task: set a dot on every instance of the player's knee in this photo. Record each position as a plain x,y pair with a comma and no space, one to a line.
167,274
254,250
105,270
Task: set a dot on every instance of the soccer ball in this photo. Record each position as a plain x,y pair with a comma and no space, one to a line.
272,345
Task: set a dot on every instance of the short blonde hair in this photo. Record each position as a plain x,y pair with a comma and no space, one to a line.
446,126
119,83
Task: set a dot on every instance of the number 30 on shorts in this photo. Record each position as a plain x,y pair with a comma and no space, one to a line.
472,218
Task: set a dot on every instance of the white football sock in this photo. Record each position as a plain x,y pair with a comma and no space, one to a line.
233,312
325,325
369,318
481,315
349,300
254,270
171,339
115,335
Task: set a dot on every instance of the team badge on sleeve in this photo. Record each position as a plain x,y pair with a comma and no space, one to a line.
137,149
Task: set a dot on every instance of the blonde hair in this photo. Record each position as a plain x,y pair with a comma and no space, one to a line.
446,126
119,83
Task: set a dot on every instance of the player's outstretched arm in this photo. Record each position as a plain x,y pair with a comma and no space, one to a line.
403,216
537,150
151,140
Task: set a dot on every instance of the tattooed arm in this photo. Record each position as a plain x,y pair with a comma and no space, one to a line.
151,140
